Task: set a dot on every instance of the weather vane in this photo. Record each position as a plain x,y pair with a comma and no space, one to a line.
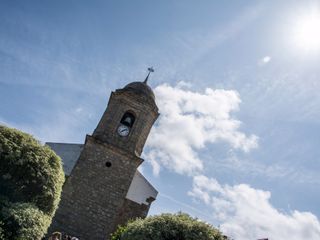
150,70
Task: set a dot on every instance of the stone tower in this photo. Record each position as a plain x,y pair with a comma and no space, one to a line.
95,196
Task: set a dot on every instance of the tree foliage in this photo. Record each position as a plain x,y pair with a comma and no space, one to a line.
1,231
178,226
31,179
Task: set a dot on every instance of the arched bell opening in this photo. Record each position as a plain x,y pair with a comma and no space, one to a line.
128,119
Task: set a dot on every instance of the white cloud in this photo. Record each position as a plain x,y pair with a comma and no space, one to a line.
188,121
264,60
246,213
183,84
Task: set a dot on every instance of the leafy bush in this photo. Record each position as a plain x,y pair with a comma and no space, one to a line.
31,179
25,221
1,231
167,227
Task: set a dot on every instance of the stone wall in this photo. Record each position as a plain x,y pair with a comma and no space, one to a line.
120,102
94,193
94,200
131,210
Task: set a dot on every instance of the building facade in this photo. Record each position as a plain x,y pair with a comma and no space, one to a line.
104,187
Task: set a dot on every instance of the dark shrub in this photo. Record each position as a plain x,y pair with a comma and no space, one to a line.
1,231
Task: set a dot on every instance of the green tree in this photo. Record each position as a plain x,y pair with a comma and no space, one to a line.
178,226
31,179
1,231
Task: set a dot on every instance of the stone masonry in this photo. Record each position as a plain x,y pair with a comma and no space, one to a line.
94,198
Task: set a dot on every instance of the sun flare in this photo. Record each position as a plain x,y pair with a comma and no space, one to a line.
307,32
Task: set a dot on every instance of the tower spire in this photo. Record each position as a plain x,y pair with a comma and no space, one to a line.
150,70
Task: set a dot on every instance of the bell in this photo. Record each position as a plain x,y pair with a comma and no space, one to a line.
128,120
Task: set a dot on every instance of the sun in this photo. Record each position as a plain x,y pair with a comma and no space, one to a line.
306,32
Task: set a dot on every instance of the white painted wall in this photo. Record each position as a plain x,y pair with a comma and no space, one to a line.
140,189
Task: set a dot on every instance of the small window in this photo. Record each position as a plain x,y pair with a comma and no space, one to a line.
127,119
108,164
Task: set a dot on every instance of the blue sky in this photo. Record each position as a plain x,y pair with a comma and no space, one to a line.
257,140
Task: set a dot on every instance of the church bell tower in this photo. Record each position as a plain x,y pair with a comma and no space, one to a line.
95,195
128,118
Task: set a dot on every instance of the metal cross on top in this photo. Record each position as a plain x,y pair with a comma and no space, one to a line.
150,70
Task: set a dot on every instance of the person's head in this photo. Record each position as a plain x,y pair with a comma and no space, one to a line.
65,237
56,236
